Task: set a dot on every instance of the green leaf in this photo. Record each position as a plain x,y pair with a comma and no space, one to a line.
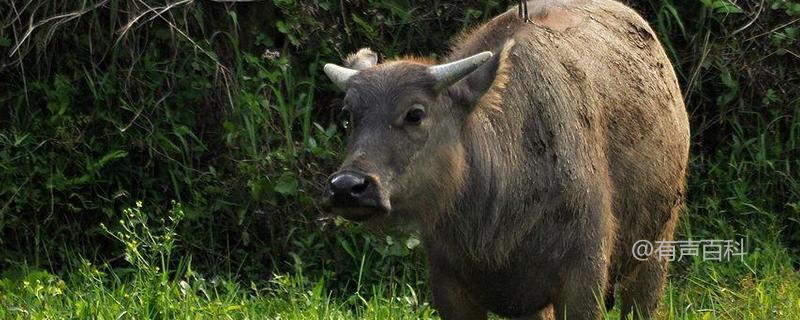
793,9
727,80
365,26
256,189
283,3
412,243
234,17
108,157
725,6
282,26
287,184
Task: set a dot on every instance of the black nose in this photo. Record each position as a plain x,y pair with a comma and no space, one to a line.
354,196
347,186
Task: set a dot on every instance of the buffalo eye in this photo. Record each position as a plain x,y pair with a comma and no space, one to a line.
345,119
414,116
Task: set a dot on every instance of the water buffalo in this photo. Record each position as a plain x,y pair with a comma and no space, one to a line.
529,162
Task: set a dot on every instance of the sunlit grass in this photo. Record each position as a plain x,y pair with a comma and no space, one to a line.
156,285
96,292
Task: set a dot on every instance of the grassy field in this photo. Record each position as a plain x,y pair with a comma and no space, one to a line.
761,286
154,284
758,288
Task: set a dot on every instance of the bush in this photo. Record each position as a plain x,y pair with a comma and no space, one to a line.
204,103
222,107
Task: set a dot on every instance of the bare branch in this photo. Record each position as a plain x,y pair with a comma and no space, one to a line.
60,19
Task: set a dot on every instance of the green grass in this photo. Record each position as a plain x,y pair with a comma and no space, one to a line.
92,293
763,286
153,284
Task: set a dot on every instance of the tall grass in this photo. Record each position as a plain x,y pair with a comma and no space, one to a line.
156,284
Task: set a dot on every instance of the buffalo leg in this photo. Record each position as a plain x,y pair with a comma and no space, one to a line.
583,290
544,314
609,297
451,299
641,292
586,274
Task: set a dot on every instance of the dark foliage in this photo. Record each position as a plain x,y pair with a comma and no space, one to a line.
222,107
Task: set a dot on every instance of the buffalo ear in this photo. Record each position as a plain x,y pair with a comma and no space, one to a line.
485,86
364,58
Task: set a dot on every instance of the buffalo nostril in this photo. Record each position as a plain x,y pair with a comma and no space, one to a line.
359,188
352,191
348,184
